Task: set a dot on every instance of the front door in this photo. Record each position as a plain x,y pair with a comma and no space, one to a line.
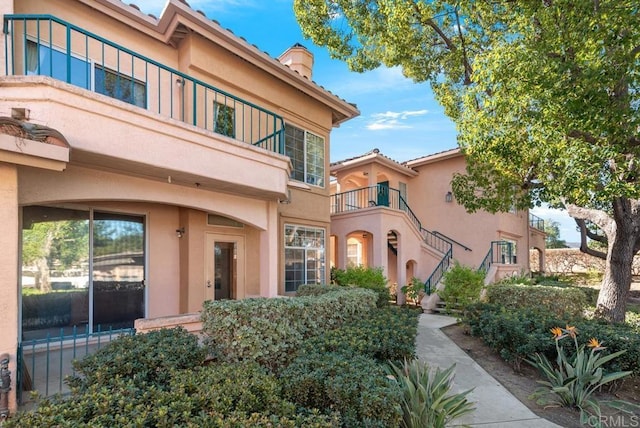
224,267
383,194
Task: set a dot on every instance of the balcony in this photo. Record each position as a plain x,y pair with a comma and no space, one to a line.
536,222
47,46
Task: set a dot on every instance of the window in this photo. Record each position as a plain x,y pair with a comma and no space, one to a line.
81,271
224,120
354,252
306,152
48,61
120,86
303,256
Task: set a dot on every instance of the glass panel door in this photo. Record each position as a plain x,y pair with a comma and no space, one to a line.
55,271
224,269
118,270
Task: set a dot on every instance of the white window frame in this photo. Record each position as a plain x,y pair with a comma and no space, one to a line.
307,247
309,177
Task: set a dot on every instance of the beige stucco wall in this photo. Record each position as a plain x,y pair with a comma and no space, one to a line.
9,242
426,197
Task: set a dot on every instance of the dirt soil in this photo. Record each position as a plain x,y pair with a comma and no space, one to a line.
522,384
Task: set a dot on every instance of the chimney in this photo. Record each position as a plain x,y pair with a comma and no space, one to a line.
299,59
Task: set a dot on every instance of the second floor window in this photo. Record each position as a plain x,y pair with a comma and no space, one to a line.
49,61
306,151
224,122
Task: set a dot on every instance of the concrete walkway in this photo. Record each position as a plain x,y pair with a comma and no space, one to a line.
495,405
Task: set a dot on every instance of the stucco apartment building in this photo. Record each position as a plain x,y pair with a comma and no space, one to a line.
148,164
404,217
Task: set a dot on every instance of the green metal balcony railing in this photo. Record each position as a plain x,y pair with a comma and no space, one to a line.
46,45
502,252
384,196
536,222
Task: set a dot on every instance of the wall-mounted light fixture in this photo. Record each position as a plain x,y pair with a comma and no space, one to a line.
180,232
448,197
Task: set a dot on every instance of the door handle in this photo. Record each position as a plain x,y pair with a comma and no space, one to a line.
208,283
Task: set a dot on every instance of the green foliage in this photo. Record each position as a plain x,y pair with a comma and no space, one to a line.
462,286
519,333
270,331
353,385
384,334
415,290
556,300
145,359
427,400
315,289
552,230
522,279
238,395
365,277
571,382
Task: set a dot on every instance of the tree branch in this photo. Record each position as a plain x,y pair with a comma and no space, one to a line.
574,133
465,59
584,247
598,217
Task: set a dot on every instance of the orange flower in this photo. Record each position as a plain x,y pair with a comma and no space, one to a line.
571,330
593,343
557,333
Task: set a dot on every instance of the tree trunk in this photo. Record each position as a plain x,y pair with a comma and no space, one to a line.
612,300
623,239
622,230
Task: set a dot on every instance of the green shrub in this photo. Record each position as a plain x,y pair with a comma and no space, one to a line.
517,334
238,395
557,300
365,277
270,331
385,334
353,385
316,289
427,400
145,358
462,286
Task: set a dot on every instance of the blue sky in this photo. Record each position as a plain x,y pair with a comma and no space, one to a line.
399,117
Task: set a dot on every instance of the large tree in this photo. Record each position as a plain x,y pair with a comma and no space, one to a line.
544,94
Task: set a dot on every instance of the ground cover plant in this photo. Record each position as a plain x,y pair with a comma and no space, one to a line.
332,376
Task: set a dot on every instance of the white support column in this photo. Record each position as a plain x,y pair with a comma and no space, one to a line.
9,242
269,253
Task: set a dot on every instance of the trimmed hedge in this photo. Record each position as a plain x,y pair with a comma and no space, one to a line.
316,290
353,385
518,333
556,300
238,395
386,334
364,277
146,359
270,331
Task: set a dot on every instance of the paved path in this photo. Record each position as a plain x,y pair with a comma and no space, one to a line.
495,405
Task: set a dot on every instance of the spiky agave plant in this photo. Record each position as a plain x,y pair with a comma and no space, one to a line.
427,401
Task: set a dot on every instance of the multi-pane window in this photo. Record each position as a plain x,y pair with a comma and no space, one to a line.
306,151
48,61
120,86
303,256
224,120
354,253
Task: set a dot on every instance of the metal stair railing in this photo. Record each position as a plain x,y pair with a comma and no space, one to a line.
499,252
437,274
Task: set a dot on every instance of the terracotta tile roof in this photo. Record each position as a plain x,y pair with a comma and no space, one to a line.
134,6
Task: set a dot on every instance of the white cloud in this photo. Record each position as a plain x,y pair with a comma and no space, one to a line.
393,119
381,79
